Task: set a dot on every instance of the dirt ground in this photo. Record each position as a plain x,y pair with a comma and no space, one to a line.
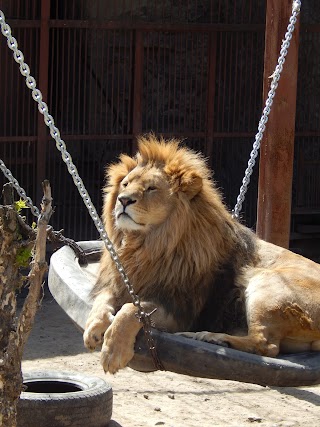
166,398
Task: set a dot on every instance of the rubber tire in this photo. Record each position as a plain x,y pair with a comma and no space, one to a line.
89,407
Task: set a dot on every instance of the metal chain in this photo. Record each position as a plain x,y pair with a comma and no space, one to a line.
8,174
60,144
66,157
296,5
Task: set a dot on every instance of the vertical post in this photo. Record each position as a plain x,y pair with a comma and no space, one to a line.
43,86
212,55
137,88
277,147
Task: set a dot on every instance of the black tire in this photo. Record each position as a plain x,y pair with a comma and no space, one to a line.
59,399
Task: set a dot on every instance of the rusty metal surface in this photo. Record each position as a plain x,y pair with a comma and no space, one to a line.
277,146
114,69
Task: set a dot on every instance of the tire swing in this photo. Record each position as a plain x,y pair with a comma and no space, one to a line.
64,399
70,284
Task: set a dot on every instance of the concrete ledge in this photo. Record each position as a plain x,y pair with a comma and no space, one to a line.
71,284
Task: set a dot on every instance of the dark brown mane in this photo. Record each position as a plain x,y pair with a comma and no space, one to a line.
225,310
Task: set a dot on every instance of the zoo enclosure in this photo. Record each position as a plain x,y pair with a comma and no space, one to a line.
112,70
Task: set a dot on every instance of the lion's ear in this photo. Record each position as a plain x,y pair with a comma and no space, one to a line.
187,181
191,184
117,171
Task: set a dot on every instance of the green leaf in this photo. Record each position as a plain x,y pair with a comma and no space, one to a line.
23,257
19,205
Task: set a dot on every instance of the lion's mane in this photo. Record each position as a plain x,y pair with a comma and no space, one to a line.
191,258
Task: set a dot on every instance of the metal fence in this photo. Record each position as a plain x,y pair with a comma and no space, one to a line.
112,70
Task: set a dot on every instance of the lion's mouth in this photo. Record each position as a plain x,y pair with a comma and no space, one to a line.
125,215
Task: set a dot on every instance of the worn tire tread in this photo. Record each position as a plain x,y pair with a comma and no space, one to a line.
90,407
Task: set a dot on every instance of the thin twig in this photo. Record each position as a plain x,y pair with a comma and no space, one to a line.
38,269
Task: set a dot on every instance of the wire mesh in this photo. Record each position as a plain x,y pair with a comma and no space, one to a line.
195,73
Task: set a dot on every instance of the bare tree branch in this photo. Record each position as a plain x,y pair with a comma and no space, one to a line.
38,269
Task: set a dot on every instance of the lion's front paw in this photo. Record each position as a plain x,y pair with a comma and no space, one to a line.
93,334
210,337
116,352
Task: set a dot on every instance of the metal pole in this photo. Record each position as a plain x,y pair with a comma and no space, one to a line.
43,86
277,147
137,89
212,60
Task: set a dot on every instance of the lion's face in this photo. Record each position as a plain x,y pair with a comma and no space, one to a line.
144,199
167,221
159,189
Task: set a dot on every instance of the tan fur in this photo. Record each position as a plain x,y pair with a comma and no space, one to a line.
187,256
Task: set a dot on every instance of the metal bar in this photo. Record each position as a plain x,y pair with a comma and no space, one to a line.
201,101
112,58
85,84
18,138
130,79
118,83
237,81
80,84
146,26
163,93
66,88
102,137
23,23
229,98
179,60
149,26
74,68
175,65
225,76
184,56
276,158
154,26
219,94
158,104
212,62
107,124
170,75
137,88
43,86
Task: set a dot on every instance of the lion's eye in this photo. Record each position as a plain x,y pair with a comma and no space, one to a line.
151,188
125,184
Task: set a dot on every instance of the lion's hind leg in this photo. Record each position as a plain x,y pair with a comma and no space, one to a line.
255,342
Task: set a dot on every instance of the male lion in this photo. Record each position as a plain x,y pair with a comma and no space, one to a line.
186,255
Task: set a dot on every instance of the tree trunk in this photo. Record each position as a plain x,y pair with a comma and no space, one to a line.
14,332
10,363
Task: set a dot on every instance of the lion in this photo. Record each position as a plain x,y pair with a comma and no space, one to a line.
192,261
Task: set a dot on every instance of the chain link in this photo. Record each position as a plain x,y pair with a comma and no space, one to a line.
66,157
296,5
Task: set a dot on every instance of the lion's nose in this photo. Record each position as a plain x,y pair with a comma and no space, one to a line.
126,201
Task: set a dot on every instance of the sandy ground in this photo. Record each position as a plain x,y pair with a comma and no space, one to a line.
165,398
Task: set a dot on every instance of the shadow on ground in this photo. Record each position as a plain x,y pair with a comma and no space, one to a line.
50,318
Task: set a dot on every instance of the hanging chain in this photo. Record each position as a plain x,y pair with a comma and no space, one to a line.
296,5
66,157
8,174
